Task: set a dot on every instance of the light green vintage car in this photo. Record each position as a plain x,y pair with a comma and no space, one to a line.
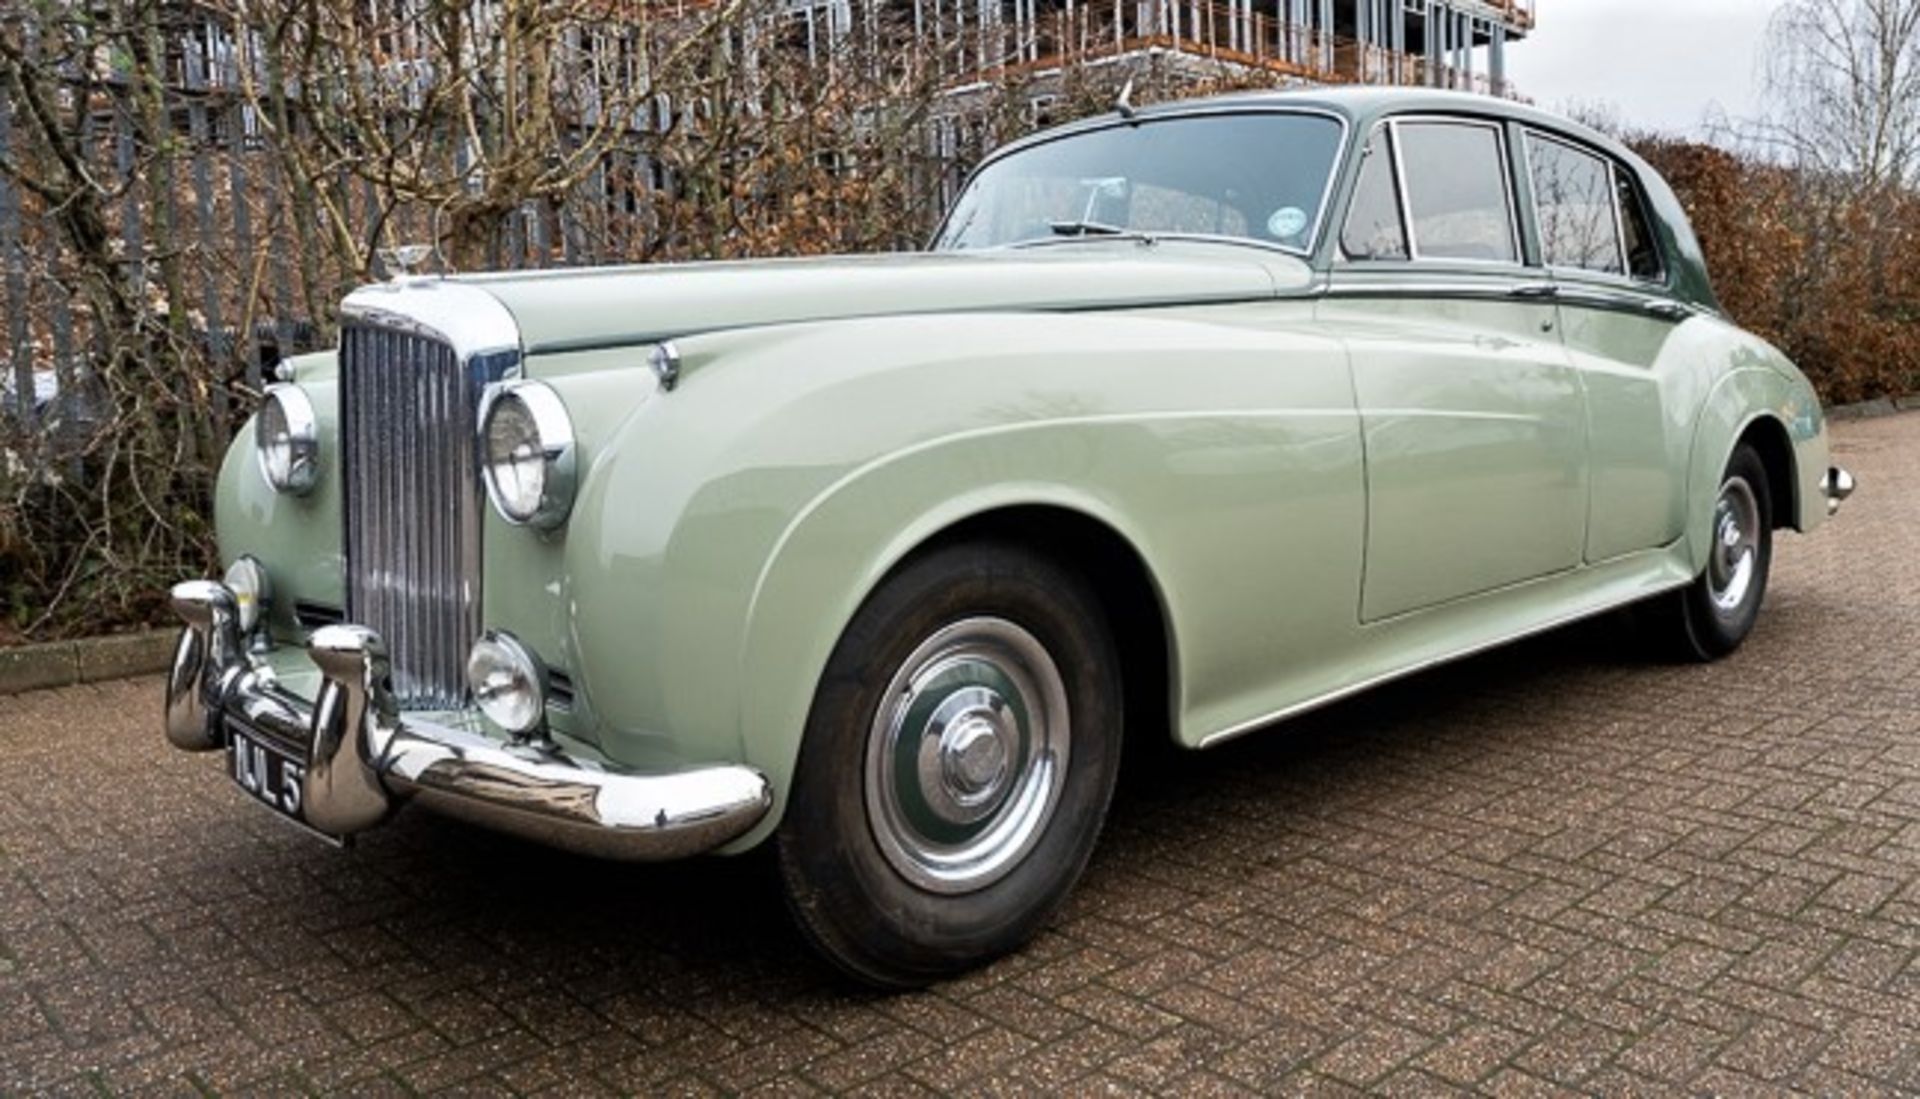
1192,418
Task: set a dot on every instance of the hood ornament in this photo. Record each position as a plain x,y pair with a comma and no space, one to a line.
401,260
1124,105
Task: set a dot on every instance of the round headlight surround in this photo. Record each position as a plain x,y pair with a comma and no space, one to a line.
287,440
527,454
508,682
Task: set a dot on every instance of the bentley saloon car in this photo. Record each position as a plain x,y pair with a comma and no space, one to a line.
1190,419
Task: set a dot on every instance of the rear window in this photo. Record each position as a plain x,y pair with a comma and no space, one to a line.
1573,195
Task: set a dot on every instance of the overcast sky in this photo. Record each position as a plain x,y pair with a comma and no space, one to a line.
1657,64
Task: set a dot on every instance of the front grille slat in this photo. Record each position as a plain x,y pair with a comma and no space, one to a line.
412,506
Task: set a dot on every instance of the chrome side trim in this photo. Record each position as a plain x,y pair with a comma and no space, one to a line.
1495,287
366,759
1342,693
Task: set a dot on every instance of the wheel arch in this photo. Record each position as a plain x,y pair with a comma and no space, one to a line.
805,620
1768,438
1751,405
1112,565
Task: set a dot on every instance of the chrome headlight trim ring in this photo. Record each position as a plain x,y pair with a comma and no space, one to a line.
554,446
299,470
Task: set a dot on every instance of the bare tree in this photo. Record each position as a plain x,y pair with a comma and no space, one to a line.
1844,82
472,110
73,72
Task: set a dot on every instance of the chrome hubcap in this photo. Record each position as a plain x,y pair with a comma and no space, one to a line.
1736,545
967,755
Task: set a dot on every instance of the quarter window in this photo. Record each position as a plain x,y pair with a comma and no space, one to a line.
1374,229
1643,250
1457,191
1573,195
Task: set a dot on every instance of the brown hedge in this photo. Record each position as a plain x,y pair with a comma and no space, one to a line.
1828,272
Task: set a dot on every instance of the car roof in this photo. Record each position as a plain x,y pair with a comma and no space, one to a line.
1359,105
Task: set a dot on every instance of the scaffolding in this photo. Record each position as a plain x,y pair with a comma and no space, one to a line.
1459,44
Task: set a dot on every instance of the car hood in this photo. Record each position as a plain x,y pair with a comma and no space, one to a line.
612,307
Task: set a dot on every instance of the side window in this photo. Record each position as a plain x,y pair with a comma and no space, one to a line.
1374,229
1573,197
1636,230
1457,191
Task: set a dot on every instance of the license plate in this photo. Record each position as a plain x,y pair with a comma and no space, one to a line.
269,774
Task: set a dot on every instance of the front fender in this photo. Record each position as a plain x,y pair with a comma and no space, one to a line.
846,542
750,511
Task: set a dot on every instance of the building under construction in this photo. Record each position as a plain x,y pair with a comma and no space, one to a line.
1459,44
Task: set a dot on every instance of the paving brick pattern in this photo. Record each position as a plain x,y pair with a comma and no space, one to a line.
1554,869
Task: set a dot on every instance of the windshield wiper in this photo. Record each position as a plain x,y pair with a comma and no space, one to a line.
1085,229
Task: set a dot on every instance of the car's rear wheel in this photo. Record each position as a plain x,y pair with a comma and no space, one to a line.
957,765
1710,617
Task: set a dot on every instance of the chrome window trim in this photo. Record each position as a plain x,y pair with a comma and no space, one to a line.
1619,222
1664,280
1620,171
1399,197
1340,150
1530,133
1499,130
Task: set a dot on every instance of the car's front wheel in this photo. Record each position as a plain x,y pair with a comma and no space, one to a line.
957,765
1710,617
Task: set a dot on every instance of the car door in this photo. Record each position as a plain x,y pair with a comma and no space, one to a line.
1617,322
1472,417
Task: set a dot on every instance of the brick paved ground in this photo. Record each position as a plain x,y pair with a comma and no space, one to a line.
1557,867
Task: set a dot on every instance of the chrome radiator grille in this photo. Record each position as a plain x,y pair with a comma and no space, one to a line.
412,506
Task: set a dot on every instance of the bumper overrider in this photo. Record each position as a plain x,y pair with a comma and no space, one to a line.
1837,485
364,758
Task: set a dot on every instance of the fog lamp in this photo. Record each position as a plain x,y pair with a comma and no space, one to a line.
247,579
508,682
287,440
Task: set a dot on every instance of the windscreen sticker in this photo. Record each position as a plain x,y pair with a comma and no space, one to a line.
1287,222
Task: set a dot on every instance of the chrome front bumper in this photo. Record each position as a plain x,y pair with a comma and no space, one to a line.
1836,486
365,758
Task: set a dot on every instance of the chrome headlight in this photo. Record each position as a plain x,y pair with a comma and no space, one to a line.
526,445
287,440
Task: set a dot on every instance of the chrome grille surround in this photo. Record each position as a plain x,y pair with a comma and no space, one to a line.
415,358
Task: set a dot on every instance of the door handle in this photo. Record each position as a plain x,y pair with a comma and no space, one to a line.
1668,311
1535,291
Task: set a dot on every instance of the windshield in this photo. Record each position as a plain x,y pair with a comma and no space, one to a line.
1258,177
